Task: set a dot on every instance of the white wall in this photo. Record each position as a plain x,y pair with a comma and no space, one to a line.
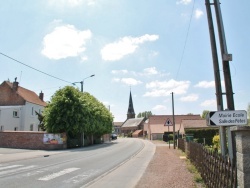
25,117
6,117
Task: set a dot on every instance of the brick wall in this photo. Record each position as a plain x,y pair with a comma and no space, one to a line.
26,140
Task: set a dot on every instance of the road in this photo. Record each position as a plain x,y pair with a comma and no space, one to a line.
95,166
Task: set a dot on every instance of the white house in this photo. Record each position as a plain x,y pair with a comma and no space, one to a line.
18,107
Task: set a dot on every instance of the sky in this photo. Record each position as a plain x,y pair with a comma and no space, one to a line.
149,47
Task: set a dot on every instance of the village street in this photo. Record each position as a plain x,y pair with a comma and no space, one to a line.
120,162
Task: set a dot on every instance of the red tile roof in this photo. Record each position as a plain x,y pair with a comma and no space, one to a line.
10,97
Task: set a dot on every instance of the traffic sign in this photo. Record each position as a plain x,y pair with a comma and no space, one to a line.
226,118
168,122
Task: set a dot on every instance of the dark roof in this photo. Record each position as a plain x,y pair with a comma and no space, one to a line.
130,106
9,96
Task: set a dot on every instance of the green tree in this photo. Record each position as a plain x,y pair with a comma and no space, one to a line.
65,112
74,112
204,114
144,114
97,118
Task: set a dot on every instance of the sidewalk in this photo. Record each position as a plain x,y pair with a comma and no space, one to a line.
167,169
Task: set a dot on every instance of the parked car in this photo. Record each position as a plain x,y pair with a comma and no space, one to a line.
113,136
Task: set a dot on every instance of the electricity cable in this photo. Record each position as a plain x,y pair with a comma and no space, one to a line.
34,68
185,43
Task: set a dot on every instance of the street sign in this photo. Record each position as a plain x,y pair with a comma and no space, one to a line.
226,118
168,122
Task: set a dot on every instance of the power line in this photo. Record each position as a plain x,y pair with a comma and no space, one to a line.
34,68
184,48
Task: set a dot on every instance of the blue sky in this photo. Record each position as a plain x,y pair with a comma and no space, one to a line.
153,47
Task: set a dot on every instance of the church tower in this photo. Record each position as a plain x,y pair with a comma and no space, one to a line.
131,112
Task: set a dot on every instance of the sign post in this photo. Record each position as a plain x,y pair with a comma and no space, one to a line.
168,123
227,118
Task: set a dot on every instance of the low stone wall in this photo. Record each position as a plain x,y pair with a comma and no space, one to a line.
242,139
29,140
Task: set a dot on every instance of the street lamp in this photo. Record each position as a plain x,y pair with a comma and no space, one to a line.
82,82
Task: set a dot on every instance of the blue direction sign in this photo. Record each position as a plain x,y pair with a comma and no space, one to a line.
226,118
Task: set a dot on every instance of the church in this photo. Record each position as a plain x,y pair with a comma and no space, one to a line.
132,127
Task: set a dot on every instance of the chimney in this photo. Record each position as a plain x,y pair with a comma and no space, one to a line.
41,95
15,85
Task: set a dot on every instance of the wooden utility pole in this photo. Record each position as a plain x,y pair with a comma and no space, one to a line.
227,75
226,70
217,78
173,119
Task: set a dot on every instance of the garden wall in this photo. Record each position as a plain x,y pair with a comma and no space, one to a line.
32,140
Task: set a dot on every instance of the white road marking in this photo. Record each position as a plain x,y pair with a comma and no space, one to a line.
7,167
55,175
17,169
77,179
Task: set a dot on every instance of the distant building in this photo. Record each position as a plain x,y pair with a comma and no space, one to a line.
117,127
19,108
160,124
131,111
132,126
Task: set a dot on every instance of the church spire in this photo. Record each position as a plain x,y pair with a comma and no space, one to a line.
131,112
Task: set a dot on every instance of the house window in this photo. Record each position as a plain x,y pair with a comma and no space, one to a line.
2,128
16,129
31,127
32,112
15,114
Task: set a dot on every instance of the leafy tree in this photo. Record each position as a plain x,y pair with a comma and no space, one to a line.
98,120
41,122
190,114
65,112
75,112
144,114
204,114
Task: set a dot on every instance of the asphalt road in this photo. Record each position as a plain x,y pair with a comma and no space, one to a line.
96,166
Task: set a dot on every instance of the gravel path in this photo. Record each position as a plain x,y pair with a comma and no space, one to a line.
167,169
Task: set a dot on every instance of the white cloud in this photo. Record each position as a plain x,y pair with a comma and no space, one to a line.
159,108
205,84
119,71
164,88
208,103
70,3
184,2
190,98
84,58
128,81
126,45
153,54
150,71
116,80
65,41
198,13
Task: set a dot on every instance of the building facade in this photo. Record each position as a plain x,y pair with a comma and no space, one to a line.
19,108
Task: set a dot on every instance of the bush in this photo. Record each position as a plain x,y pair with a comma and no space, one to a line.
216,143
199,135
